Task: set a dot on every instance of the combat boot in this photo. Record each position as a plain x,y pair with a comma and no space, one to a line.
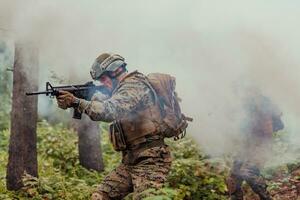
238,195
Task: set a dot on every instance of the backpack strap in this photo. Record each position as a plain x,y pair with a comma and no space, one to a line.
157,100
147,119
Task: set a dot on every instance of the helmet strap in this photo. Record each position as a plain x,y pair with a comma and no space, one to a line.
114,79
115,82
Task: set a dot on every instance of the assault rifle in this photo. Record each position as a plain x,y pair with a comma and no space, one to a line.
84,91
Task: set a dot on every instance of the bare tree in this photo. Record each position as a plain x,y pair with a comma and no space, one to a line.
22,145
90,154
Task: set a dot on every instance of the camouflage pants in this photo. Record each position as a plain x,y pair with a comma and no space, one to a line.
150,172
249,173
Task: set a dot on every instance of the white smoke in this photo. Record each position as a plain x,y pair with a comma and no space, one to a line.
209,45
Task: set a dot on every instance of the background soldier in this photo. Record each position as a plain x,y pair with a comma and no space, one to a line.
263,118
136,117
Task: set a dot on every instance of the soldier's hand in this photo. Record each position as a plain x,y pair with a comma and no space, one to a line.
65,99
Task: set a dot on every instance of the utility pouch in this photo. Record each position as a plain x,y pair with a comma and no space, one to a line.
77,114
117,137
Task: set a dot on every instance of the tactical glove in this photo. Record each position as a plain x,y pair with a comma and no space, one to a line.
66,100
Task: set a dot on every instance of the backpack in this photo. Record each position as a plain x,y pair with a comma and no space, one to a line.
174,122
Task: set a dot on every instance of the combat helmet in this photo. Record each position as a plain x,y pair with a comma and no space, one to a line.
106,62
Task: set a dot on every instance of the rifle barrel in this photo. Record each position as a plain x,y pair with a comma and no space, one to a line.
69,88
37,93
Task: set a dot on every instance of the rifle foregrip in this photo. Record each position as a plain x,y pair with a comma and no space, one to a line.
77,114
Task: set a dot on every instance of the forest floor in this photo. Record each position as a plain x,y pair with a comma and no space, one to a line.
282,187
194,175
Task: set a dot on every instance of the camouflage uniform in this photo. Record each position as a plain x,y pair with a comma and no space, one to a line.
144,165
262,120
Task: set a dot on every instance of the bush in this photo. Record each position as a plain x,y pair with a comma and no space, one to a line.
60,175
193,175
5,85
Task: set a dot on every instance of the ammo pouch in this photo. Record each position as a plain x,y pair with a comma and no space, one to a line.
179,130
117,136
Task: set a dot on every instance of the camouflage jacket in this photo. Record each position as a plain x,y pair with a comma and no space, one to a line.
131,94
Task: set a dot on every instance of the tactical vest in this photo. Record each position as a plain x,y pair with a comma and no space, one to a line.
140,126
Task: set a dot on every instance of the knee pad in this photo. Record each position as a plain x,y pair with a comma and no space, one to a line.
99,196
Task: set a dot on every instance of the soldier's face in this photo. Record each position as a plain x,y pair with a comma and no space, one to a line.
106,81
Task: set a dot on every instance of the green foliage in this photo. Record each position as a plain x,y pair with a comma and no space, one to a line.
58,145
194,180
185,149
5,85
193,176
60,175
4,136
165,193
285,157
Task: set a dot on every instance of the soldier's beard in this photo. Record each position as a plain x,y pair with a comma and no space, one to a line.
115,83
115,80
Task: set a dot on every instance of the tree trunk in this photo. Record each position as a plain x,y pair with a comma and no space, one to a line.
90,153
22,145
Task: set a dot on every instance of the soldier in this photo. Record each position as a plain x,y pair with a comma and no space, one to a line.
262,119
135,130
